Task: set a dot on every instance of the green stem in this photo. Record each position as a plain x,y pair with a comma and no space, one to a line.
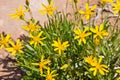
102,14
115,24
76,7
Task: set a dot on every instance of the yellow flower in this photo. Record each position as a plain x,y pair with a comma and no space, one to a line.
4,41
116,7
96,66
42,64
47,9
64,66
88,12
36,39
15,48
81,35
31,27
19,13
99,32
89,60
50,74
118,71
103,2
60,46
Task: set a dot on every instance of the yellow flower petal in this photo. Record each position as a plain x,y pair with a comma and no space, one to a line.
64,66
93,30
93,7
101,71
81,12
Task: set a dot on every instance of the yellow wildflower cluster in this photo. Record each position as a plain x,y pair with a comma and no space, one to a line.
99,33
62,39
96,65
43,66
7,43
15,47
48,9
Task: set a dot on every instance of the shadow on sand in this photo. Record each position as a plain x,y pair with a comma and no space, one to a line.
13,72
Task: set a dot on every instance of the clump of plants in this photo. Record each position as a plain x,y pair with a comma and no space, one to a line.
69,46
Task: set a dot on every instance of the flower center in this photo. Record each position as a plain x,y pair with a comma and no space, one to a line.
98,66
36,39
88,12
49,9
99,33
82,35
20,13
32,27
61,47
16,47
3,41
42,64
